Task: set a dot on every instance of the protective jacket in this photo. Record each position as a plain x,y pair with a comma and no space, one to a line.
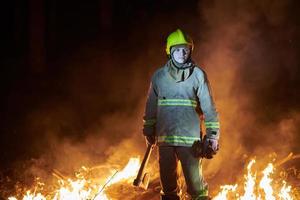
173,107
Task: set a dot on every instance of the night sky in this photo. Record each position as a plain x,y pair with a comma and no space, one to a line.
75,74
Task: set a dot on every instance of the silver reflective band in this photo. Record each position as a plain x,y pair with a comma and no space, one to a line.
212,124
177,102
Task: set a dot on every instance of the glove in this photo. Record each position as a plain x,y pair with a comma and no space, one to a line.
197,149
150,140
210,147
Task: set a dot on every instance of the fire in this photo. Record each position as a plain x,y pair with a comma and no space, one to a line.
129,171
85,189
265,183
258,185
225,189
257,190
285,192
250,183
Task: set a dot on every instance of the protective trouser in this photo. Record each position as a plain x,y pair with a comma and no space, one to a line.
192,171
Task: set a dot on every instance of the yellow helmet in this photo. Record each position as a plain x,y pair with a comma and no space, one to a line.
176,38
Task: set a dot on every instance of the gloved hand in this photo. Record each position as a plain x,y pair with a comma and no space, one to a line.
197,149
150,140
210,147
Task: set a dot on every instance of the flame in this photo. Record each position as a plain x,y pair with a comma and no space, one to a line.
257,190
74,190
250,183
225,189
83,189
265,183
257,186
129,170
29,196
285,192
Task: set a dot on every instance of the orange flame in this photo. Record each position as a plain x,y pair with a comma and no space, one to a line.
225,189
250,183
254,190
82,189
265,183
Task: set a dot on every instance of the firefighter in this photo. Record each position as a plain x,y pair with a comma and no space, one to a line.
179,94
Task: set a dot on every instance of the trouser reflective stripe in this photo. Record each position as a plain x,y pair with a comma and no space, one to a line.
192,171
149,122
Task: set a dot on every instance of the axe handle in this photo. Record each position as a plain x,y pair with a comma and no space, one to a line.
144,163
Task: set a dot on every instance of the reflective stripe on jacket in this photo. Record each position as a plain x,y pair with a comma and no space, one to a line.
173,108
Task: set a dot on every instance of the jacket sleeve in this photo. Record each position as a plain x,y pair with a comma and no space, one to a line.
150,112
207,105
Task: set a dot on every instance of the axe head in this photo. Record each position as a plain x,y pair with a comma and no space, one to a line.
143,182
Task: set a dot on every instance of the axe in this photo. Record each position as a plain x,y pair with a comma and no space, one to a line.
142,179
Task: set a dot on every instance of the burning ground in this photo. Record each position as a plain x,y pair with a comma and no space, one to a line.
107,182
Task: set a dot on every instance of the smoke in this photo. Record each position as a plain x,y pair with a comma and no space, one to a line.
247,52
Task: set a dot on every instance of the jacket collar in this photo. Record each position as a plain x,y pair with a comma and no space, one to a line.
181,73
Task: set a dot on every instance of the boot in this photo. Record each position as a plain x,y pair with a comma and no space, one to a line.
203,198
169,197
